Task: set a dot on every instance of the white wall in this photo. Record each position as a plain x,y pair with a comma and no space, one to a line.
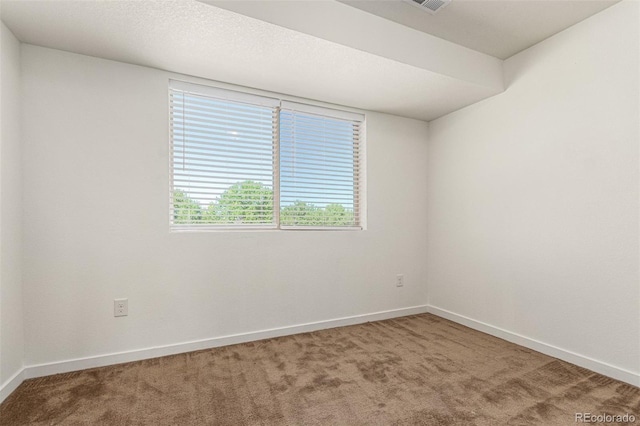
11,319
96,185
533,198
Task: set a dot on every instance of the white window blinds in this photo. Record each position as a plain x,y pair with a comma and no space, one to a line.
319,167
246,161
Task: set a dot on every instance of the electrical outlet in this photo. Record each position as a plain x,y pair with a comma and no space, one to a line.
120,307
399,280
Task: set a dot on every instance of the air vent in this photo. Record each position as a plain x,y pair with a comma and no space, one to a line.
431,6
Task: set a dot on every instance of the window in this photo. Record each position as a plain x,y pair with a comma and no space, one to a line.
247,161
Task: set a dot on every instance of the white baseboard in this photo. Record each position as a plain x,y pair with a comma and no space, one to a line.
554,351
40,370
10,385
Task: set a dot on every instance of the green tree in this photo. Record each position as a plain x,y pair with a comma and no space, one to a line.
337,215
300,214
246,202
185,210
307,214
251,202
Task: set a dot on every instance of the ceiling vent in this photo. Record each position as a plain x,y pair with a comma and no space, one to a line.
431,6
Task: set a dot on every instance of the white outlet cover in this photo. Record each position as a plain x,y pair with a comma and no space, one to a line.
120,307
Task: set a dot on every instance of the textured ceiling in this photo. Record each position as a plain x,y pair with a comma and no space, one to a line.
193,38
500,28
380,55
342,24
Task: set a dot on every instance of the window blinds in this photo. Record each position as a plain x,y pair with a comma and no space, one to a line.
320,167
246,161
222,165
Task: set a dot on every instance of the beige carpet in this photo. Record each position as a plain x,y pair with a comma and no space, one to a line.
417,370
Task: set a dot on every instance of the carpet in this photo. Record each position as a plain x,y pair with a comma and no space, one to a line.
415,370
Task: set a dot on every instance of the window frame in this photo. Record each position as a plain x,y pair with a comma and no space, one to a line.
256,97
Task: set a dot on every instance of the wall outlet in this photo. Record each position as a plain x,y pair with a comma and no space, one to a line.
120,307
399,280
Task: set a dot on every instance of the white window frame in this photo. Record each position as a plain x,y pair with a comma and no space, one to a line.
281,102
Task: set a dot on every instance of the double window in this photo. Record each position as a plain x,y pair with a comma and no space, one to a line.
245,161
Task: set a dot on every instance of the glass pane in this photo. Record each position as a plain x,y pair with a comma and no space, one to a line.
222,162
318,171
